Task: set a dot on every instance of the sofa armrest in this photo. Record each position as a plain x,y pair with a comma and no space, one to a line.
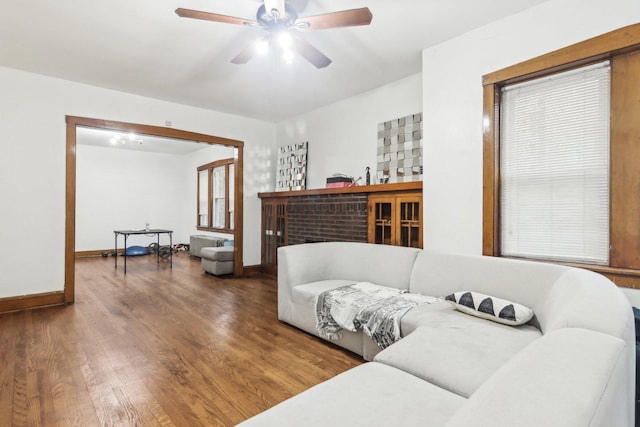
569,377
296,265
361,262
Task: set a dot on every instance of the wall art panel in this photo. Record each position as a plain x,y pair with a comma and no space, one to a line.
292,167
400,150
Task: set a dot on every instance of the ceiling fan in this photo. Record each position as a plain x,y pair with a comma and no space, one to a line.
282,24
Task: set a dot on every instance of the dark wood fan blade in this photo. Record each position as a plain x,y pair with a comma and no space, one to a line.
310,53
346,18
245,55
206,16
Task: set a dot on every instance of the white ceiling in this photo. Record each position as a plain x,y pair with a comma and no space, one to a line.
128,141
143,47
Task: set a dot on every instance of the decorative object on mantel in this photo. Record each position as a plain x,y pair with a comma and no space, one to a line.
292,167
400,150
340,180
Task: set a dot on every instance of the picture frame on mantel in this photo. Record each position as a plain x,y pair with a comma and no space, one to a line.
292,167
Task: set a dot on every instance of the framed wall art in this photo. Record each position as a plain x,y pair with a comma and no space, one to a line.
400,150
292,167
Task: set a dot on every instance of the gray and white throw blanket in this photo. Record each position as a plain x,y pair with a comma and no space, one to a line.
375,309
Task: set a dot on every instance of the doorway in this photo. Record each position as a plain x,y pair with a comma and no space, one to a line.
156,131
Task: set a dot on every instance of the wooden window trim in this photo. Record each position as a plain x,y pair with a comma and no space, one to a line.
596,49
615,45
227,217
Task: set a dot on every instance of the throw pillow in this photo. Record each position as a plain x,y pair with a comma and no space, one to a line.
490,308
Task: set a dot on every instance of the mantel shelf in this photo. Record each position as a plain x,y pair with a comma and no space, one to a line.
380,188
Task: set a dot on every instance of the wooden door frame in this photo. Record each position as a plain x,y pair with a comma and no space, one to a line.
70,205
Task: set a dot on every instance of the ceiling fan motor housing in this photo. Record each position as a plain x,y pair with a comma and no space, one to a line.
272,21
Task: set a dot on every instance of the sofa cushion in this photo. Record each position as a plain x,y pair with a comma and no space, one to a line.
569,377
439,313
199,241
308,293
222,253
372,394
458,358
490,308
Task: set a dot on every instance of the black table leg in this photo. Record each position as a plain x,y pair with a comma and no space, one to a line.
171,250
115,251
125,254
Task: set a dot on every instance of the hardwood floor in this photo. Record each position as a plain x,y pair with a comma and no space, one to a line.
156,347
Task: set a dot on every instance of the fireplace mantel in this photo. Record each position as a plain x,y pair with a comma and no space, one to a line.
380,188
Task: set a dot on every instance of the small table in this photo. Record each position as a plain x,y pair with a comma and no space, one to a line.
157,232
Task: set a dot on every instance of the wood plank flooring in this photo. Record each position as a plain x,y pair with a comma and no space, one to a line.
157,347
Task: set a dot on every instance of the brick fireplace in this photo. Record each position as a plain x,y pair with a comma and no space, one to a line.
327,217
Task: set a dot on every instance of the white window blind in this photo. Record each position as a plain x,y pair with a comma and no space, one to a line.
554,167
219,197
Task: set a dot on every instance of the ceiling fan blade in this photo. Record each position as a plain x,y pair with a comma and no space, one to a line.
245,55
310,53
206,16
345,18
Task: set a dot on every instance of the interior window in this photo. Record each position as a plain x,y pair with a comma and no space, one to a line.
215,195
554,167
560,158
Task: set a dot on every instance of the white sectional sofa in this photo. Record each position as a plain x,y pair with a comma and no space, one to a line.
573,364
199,241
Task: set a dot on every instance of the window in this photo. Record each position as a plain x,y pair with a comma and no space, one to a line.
554,167
215,195
566,190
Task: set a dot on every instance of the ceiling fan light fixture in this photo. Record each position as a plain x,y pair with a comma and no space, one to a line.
128,139
262,46
277,17
287,56
285,40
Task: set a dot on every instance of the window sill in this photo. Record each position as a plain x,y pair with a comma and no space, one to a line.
624,277
215,230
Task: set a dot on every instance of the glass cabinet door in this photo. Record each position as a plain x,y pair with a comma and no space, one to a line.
268,226
409,221
383,222
281,220
274,232
395,219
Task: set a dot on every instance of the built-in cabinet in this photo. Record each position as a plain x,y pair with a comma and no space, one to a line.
389,214
395,219
274,232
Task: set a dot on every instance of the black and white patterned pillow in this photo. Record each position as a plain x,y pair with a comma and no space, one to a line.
490,308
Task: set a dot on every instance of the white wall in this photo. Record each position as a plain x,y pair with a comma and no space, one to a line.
452,93
343,137
32,167
120,189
